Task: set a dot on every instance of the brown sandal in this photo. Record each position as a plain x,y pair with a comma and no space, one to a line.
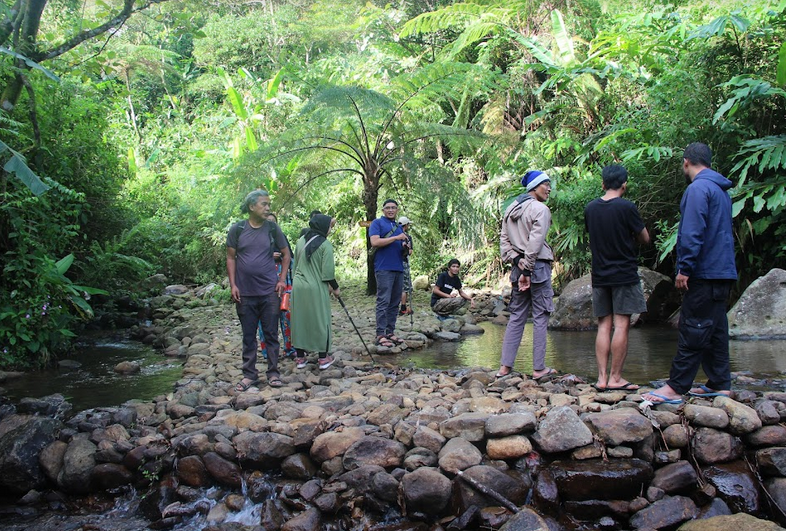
395,339
382,341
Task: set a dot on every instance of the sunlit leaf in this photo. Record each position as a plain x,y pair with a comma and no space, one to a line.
274,83
64,263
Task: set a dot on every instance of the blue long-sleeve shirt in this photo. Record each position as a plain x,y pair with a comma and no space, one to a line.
705,240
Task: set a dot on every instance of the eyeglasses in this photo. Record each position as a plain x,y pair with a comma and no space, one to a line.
392,207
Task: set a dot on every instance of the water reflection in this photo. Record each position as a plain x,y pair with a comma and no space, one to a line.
650,351
95,383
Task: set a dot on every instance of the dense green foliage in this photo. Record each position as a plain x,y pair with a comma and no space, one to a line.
129,151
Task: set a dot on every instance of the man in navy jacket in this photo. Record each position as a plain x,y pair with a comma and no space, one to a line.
706,272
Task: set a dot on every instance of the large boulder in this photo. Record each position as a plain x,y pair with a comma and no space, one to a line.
374,451
54,406
761,311
22,437
562,430
265,450
573,309
594,479
426,491
78,464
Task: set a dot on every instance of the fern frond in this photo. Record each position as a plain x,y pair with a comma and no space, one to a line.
446,18
475,33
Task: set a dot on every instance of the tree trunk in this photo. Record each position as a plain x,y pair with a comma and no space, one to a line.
25,45
370,203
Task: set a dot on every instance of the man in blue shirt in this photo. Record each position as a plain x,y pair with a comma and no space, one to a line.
387,240
706,271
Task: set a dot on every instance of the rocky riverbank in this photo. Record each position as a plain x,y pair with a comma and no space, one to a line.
374,446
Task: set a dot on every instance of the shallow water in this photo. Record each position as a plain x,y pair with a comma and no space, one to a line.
650,351
95,383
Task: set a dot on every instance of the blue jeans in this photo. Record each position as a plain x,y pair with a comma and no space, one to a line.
251,311
389,287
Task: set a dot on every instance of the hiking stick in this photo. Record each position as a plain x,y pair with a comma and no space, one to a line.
341,301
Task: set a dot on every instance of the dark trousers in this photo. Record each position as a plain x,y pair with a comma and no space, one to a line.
252,311
389,287
703,337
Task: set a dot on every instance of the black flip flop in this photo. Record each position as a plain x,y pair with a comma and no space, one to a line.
630,386
551,373
242,387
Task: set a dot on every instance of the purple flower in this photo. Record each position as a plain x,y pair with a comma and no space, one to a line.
27,316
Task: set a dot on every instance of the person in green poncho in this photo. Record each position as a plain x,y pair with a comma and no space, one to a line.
313,283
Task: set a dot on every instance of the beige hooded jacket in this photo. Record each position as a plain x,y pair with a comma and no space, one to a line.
524,229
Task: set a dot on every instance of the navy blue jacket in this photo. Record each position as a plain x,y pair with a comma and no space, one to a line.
705,241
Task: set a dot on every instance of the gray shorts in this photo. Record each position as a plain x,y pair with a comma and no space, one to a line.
618,300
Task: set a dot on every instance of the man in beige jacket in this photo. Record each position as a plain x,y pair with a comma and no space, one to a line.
523,243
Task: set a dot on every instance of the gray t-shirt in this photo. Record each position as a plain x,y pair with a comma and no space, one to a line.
256,273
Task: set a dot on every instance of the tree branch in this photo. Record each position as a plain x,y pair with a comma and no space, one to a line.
76,40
